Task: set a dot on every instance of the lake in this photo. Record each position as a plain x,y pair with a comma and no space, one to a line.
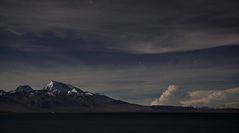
120,123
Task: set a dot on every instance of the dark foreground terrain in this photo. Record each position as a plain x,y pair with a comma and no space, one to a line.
120,123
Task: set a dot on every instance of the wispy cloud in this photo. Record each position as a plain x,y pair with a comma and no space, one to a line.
215,98
135,26
225,98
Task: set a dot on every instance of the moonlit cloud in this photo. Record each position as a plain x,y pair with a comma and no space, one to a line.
164,99
225,98
215,98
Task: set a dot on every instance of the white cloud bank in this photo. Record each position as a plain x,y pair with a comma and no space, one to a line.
226,98
214,98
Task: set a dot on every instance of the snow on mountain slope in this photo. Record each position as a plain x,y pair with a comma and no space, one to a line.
24,88
60,97
58,87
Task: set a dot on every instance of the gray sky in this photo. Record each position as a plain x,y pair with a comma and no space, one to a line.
127,49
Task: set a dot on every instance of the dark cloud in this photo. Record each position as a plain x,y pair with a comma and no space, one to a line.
120,46
131,26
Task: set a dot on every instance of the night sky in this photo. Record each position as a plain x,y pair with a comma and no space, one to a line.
172,52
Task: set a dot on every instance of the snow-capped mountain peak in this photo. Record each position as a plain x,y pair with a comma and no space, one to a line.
59,97
58,87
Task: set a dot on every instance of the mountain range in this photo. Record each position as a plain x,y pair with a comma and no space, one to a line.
57,97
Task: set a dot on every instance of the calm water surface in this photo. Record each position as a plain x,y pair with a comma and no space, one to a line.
120,123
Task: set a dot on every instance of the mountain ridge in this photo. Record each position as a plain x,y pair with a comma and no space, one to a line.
59,97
